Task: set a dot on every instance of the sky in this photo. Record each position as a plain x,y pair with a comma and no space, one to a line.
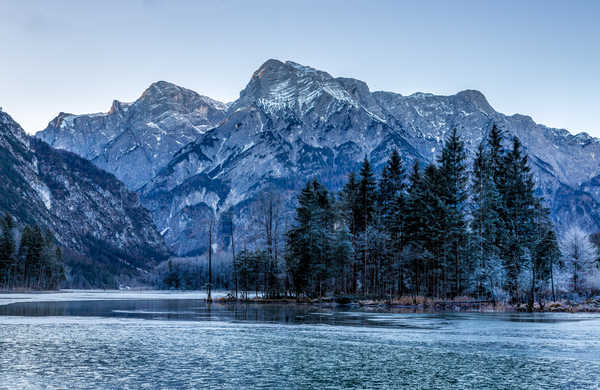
538,58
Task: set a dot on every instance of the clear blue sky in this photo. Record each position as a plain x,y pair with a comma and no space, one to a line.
540,58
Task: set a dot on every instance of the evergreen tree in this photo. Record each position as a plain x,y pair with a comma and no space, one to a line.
415,220
33,258
23,270
391,187
391,221
39,262
496,153
453,173
486,225
342,253
350,212
323,216
7,250
309,241
367,197
300,241
435,219
519,205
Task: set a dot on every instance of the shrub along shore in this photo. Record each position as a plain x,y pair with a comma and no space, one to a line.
426,304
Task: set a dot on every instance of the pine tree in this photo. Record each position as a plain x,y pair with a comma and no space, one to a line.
34,257
519,205
322,233
434,237
415,224
342,253
300,241
7,250
453,172
390,215
309,244
391,187
486,224
367,197
350,212
498,173
22,268
496,153
37,264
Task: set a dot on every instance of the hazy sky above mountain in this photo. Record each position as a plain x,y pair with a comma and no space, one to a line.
539,58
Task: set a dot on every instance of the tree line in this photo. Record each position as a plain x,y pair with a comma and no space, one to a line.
29,258
444,230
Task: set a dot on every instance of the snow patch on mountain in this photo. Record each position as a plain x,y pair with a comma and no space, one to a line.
43,192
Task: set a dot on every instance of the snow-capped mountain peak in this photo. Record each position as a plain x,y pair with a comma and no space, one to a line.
277,86
293,122
135,140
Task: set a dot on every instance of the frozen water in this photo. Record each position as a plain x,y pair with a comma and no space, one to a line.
181,343
102,295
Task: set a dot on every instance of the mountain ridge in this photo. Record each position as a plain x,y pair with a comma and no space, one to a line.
293,121
104,229
144,133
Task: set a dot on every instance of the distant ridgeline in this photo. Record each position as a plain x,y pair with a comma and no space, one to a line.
29,258
441,231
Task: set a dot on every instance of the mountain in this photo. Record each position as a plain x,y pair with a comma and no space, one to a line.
292,122
102,226
135,140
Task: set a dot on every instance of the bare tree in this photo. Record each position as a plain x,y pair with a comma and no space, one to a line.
235,271
578,255
211,224
268,212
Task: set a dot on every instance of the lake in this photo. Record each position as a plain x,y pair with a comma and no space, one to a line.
154,341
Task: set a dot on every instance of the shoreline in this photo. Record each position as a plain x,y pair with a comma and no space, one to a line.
591,305
397,305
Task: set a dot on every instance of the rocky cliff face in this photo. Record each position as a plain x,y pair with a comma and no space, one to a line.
103,226
293,122
135,140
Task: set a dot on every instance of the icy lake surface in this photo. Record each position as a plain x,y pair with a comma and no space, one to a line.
175,341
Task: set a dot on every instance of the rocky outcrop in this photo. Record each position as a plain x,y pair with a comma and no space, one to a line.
135,140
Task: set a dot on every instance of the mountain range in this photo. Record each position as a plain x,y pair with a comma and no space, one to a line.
191,158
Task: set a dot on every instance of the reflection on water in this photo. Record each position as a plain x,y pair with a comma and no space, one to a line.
156,344
198,310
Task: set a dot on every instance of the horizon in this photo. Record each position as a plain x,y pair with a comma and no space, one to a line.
78,58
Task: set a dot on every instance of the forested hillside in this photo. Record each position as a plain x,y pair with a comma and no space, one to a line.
105,234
